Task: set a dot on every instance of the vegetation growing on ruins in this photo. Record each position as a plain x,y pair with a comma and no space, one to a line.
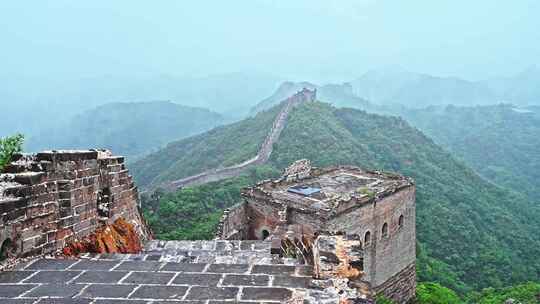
9,146
472,234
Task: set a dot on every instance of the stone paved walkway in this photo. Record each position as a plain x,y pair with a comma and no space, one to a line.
133,282
165,272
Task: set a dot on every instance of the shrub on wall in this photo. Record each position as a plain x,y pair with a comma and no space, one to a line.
9,146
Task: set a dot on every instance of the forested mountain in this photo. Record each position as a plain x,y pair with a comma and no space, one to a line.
471,233
501,142
340,95
130,129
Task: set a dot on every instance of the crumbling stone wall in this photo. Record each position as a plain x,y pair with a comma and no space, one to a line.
379,224
234,223
51,199
386,258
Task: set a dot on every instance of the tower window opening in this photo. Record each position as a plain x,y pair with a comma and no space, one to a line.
400,221
384,232
367,238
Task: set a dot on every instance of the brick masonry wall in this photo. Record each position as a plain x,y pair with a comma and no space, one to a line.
384,257
401,287
51,199
234,223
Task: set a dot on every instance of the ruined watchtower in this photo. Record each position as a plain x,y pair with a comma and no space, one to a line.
348,222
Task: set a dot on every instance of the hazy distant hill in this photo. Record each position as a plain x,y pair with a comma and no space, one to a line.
471,232
130,129
501,142
35,104
397,86
340,95
523,88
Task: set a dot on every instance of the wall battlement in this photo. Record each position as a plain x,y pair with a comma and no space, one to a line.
52,199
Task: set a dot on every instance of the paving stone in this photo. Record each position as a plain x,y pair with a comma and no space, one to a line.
17,301
65,301
136,257
56,290
161,278
227,245
153,257
188,302
113,256
293,282
160,292
138,266
53,277
274,269
262,246
101,277
125,302
13,291
94,265
235,302
50,264
304,271
209,293
206,259
266,294
14,276
246,280
228,268
202,279
247,245
183,267
107,291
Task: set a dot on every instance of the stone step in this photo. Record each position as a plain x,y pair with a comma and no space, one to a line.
215,251
200,256
213,245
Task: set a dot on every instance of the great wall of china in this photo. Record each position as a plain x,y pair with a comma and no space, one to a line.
262,156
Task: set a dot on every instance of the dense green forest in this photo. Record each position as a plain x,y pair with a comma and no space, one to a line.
472,234
500,142
130,129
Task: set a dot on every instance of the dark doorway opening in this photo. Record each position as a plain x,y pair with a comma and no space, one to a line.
5,249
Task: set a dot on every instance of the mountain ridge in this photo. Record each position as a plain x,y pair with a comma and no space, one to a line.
486,230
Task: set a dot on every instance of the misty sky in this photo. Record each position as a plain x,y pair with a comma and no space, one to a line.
316,40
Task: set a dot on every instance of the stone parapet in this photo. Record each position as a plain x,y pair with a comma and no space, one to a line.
51,199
